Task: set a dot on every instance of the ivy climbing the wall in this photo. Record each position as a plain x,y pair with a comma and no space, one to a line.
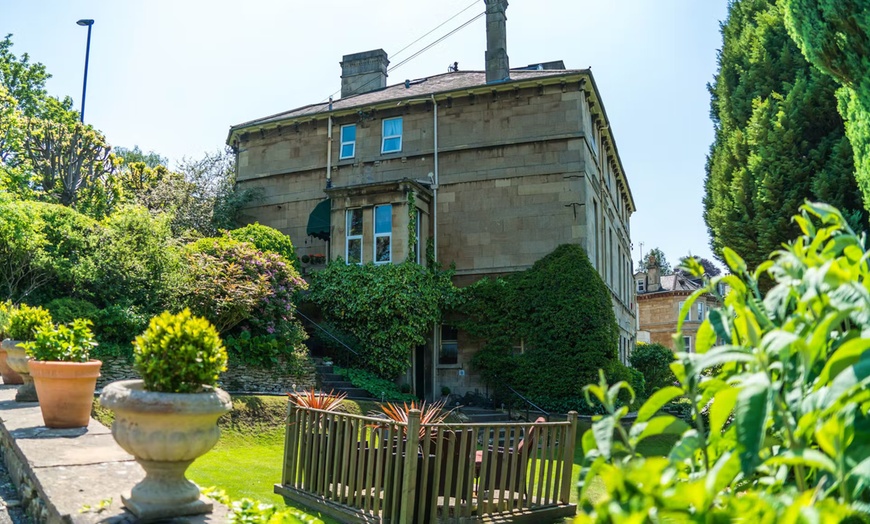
389,308
546,331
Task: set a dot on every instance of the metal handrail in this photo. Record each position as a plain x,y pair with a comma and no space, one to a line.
318,326
530,403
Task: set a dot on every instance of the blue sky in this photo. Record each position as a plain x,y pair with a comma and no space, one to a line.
172,76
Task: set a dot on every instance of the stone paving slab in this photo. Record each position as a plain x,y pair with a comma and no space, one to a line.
59,474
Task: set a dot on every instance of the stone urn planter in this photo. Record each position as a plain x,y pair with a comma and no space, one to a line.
65,391
165,432
10,377
17,360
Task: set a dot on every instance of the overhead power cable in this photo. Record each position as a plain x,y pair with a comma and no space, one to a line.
426,48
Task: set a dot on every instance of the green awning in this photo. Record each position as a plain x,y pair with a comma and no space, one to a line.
318,220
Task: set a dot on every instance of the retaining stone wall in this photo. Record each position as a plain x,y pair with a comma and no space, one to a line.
239,378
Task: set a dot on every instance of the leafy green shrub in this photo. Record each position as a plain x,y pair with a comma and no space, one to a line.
560,312
381,389
391,307
267,351
654,361
5,311
25,321
266,239
135,262
118,324
63,343
22,250
786,397
65,310
179,353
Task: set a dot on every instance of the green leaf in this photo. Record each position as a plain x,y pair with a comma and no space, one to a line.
810,458
722,474
720,324
734,261
588,441
686,447
847,379
750,417
603,431
656,401
706,337
846,355
720,409
661,425
860,477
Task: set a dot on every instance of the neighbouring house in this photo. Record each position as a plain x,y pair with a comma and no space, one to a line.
660,299
494,168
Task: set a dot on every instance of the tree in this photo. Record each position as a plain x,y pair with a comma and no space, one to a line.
835,36
658,254
778,137
73,165
25,82
710,269
129,156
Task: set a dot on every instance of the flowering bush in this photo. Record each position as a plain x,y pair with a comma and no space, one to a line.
240,289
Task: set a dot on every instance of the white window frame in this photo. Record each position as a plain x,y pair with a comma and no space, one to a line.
385,137
349,237
388,235
343,142
688,313
687,344
640,285
701,311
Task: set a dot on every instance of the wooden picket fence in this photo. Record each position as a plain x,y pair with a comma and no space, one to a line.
366,469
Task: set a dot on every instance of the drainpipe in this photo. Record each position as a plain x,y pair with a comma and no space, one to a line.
435,185
436,335
329,151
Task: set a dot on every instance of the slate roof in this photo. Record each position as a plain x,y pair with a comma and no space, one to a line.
419,88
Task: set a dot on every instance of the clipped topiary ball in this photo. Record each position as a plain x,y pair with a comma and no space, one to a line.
25,321
179,354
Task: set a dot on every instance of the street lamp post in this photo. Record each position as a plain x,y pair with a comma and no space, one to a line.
89,23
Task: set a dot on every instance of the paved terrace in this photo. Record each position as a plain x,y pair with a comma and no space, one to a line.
59,472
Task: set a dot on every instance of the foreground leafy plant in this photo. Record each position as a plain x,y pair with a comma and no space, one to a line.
786,434
72,343
179,353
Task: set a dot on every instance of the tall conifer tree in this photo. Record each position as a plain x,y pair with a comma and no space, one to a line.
779,138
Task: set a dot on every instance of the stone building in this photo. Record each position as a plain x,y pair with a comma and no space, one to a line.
496,167
660,299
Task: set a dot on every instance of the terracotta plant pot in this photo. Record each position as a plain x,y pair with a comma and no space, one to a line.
65,390
10,377
17,360
165,432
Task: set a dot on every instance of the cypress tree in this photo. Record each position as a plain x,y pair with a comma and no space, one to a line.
779,138
835,36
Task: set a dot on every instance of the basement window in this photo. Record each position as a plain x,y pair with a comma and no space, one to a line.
449,353
392,135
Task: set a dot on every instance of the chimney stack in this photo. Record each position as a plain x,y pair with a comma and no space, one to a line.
363,72
497,65
654,274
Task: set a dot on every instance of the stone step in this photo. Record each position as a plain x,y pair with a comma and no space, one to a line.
332,377
481,415
323,370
